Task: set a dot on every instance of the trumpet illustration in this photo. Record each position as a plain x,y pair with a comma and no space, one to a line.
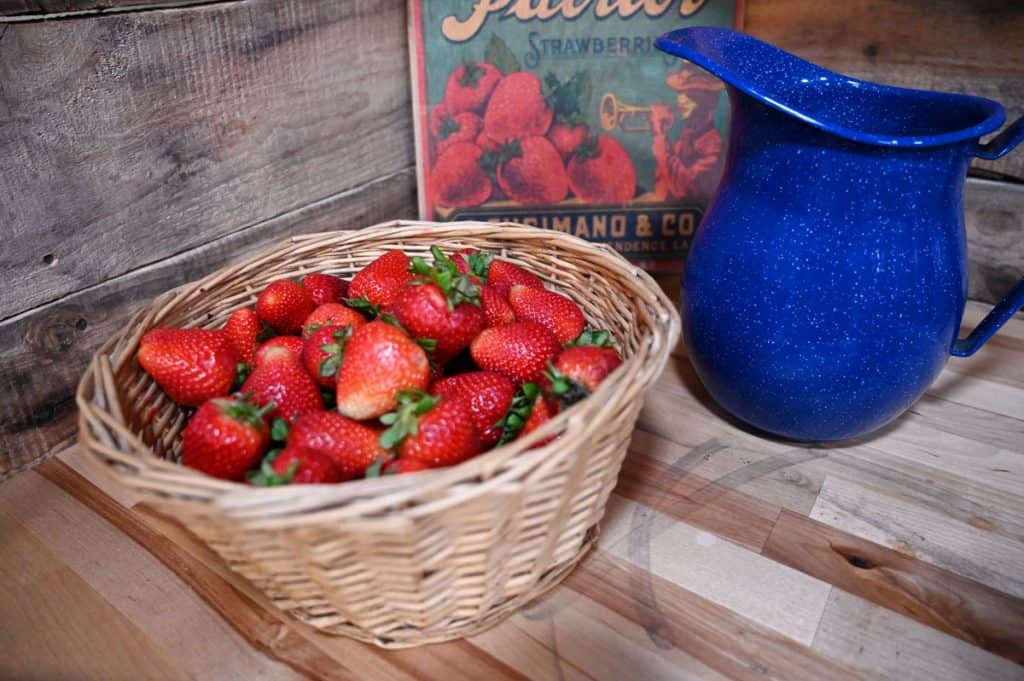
614,113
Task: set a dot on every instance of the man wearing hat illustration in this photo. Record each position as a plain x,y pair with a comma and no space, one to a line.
688,168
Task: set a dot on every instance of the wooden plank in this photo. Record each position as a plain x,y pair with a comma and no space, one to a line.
940,599
32,9
935,538
200,643
772,595
157,132
716,635
43,354
909,44
994,221
49,617
881,643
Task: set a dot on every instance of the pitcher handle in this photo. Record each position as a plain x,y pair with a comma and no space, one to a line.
997,147
1001,144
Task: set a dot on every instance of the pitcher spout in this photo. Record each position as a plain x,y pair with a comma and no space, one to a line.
857,110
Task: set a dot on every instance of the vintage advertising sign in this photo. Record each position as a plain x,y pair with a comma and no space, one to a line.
562,114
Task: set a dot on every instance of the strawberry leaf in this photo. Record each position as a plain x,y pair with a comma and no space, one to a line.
242,371
373,471
404,421
500,56
588,149
280,430
428,344
449,126
471,74
568,391
518,413
480,263
363,306
570,98
592,337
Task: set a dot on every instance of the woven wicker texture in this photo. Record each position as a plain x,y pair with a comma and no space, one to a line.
410,559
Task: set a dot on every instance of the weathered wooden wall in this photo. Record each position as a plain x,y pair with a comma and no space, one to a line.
143,146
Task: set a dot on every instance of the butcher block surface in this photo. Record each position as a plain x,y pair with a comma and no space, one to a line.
722,555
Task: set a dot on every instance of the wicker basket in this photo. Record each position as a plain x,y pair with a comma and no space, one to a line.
410,559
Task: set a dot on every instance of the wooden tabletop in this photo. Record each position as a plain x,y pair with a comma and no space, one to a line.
722,555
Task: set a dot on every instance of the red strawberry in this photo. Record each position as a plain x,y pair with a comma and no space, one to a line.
437,431
486,143
325,288
298,466
351,445
435,118
458,178
531,171
520,351
379,361
469,86
284,305
243,328
517,108
379,282
331,314
399,466
225,438
441,305
281,379
559,314
292,344
191,365
577,371
462,127
543,411
600,171
503,275
566,138
488,395
323,352
497,311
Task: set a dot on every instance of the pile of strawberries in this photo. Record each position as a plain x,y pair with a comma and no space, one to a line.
410,365
496,136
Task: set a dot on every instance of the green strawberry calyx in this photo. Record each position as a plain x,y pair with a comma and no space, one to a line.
568,391
471,74
458,288
428,344
244,410
404,421
518,412
449,126
597,338
569,99
588,148
363,306
267,476
334,352
480,264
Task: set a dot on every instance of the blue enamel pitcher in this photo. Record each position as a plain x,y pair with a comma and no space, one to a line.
826,284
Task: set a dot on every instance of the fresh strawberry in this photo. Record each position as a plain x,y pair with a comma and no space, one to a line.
325,288
531,171
281,379
379,282
191,365
440,304
400,466
601,171
323,352
284,305
437,431
379,361
503,275
331,314
577,371
512,421
458,179
469,86
292,344
566,138
497,311
559,314
488,395
225,438
297,466
461,127
243,328
543,411
351,445
520,351
517,108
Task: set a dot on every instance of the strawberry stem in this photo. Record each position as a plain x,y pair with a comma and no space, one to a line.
568,391
404,421
363,306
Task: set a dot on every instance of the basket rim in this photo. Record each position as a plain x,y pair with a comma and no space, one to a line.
370,497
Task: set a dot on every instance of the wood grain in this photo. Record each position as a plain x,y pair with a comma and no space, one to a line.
43,354
975,47
163,131
940,599
26,9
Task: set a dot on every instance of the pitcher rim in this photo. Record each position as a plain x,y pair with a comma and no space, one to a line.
674,43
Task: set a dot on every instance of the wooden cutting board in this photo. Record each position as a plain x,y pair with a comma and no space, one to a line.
722,555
